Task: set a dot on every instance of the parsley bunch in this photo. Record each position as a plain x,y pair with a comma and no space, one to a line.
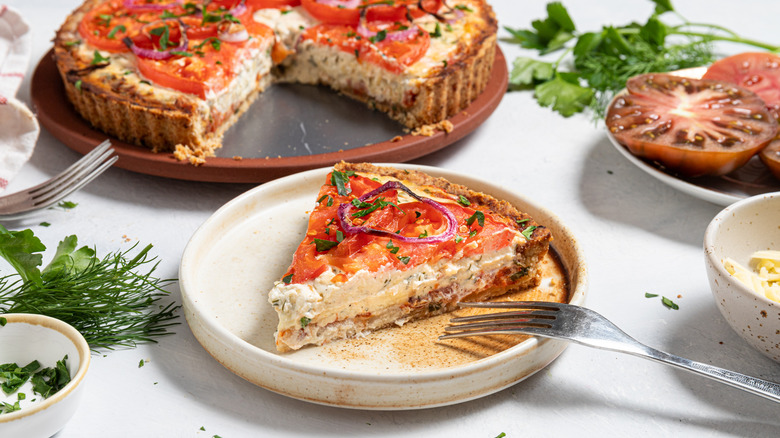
602,61
107,300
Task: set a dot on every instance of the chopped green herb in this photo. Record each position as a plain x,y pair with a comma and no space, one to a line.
120,28
463,201
436,32
97,58
424,234
141,363
287,279
67,205
502,434
370,207
180,53
340,180
477,216
78,85
305,321
324,245
669,303
458,239
3,321
466,9
393,249
649,295
404,259
529,231
380,36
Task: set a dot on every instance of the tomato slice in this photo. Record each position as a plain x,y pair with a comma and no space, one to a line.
105,26
390,54
770,156
347,12
690,126
758,72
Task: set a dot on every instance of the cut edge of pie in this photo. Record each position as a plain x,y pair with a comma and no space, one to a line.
327,308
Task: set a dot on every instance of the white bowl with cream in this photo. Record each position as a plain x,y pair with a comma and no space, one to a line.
736,233
25,338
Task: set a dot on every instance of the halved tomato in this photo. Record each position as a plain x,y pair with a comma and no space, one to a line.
758,72
690,126
389,53
770,156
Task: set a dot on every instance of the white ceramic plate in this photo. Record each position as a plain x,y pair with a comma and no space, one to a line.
233,259
750,180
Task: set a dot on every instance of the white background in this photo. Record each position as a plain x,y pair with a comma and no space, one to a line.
638,235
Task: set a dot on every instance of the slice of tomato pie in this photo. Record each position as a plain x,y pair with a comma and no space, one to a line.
386,246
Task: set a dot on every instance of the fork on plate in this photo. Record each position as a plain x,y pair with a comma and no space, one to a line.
25,202
586,327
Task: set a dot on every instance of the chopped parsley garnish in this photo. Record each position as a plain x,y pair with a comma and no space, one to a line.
519,274
436,32
404,259
528,231
164,32
120,28
180,53
141,363
78,85
67,205
287,279
380,36
669,303
649,295
44,224
216,44
462,200
424,234
305,321
324,245
477,216
104,19
463,8
458,239
371,207
393,249
340,180
97,58
522,221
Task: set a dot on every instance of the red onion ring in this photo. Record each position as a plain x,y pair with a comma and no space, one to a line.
132,5
345,208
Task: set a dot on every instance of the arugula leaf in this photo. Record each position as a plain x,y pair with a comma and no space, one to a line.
19,248
527,71
563,95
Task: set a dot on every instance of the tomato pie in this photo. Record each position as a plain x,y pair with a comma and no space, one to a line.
170,74
386,246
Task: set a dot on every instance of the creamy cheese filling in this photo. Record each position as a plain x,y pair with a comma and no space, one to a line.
321,301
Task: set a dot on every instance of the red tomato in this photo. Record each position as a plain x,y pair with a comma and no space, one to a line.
262,4
758,72
690,126
770,156
348,11
105,26
388,54
160,35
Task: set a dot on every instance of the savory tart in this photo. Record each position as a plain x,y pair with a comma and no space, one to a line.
171,74
386,246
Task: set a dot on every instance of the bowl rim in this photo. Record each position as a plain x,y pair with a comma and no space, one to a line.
709,244
84,360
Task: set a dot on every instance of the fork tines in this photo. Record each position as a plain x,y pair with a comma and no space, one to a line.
525,317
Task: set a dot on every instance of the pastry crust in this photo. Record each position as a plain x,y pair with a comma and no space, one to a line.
132,109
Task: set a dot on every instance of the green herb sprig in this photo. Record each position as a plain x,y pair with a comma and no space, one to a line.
604,60
114,301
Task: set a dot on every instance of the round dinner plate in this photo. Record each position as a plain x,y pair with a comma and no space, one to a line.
290,128
233,259
751,179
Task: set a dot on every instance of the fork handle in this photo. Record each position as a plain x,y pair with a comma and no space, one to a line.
764,388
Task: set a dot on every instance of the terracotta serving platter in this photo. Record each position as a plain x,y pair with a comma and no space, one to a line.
289,128
233,259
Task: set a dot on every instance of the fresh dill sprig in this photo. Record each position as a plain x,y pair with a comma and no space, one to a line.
114,301
603,60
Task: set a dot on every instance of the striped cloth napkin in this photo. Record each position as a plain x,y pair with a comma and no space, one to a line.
18,127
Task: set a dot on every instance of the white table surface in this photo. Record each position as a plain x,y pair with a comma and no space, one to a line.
638,234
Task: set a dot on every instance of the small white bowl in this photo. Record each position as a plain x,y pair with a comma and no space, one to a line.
25,338
737,232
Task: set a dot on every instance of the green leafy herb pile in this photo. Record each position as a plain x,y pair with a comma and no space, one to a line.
107,299
45,381
603,60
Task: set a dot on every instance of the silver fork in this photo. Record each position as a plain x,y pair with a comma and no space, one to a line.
586,327
49,192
